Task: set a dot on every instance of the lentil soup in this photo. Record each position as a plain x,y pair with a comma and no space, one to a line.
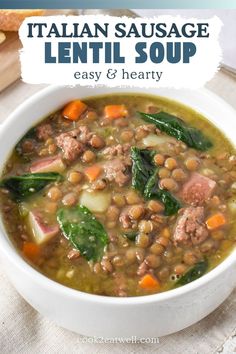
122,195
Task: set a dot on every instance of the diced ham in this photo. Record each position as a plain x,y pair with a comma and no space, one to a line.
44,131
50,164
190,227
116,170
197,189
41,232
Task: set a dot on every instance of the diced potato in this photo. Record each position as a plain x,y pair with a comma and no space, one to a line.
97,202
40,231
154,140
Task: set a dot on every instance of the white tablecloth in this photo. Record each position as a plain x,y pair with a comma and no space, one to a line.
23,330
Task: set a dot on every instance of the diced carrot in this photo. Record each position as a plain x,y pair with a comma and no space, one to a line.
74,109
115,111
149,282
215,221
93,172
31,251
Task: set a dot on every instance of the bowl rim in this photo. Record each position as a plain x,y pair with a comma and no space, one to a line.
10,252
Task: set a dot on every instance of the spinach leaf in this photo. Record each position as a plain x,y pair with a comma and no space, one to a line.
177,128
145,180
153,191
83,230
25,185
142,167
131,235
198,270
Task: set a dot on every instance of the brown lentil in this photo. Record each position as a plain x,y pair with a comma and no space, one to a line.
73,254
179,175
91,115
155,206
153,261
118,261
106,265
164,172
132,197
140,253
159,159
190,258
69,199
75,177
192,163
162,241
157,248
88,156
169,184
207,245
142,240
130,255
136,212
163,273
54,193
140,133
97,142
113,213
145,226
127,135
97,268
170,163
180,269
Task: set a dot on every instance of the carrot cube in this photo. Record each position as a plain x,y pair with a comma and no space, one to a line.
115,111
74,110
149,282
93,172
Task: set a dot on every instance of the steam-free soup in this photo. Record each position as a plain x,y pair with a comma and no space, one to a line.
122,195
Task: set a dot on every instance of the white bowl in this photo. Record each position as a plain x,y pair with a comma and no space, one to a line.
93,315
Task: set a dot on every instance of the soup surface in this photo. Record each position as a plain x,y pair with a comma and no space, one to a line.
117,196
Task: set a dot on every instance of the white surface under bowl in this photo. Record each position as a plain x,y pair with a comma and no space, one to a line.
145,316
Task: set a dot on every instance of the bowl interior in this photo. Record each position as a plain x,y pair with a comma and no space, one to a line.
52,98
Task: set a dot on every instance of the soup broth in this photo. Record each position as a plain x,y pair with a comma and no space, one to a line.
122,195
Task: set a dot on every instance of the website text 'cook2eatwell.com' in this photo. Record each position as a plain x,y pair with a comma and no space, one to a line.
118,177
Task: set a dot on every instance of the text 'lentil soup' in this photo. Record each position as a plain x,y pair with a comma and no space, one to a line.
122,195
